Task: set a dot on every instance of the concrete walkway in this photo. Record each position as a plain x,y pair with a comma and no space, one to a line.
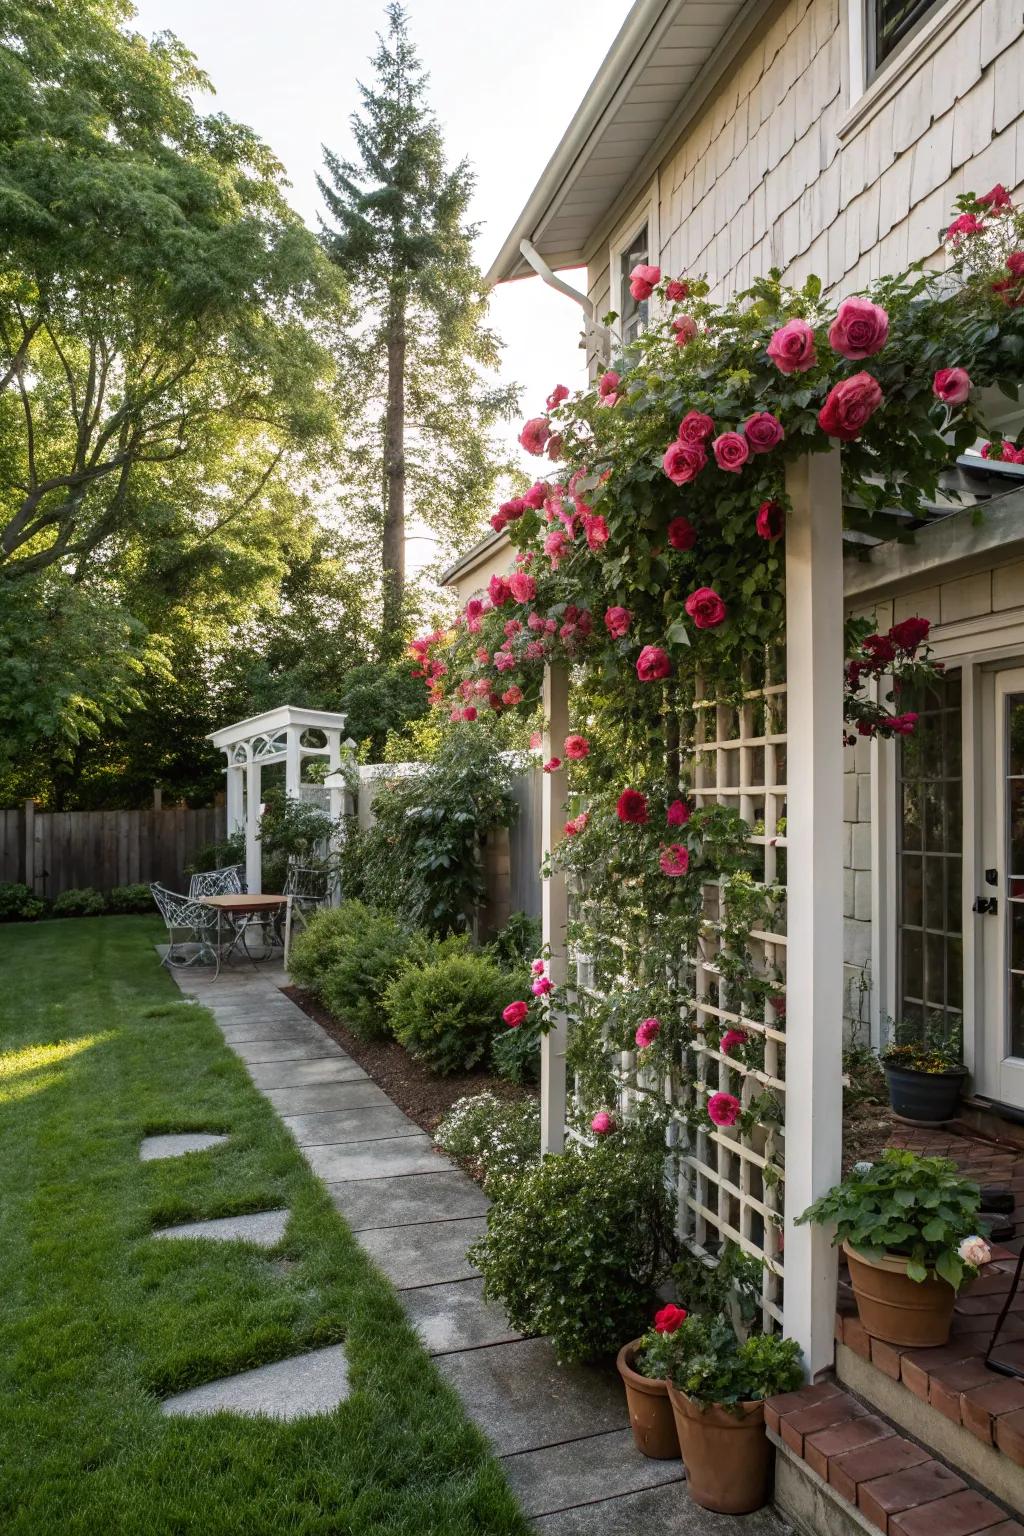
561,1432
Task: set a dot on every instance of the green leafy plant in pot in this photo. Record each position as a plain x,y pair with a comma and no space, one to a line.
717,1385
908,1226
924,1072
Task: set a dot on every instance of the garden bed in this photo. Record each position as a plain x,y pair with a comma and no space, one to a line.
423,1095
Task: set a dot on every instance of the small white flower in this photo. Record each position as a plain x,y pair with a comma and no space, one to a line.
975,1251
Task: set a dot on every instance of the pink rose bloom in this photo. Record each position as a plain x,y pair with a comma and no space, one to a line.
996,199
617,622
643,280
483,655
647,1032
669,1319
504,661
552,765
536,495
674,860
849,406
975,1251
512,627
535,434
723,1108
537,967
678,813
542,986
608,383
731,1039
602,1123
474,609
554,448
685,327
511,510
860,329
695,428
557,395
482,687
652,663
952,385
677,290
550,626
534,650
577,824
469,713
681,533
555,546
497,591
534,621
763,432
498,521
577,748
705,608
731,452
523,588
771,520
791,349
597,532
512,696
683,462
966,224
515,1013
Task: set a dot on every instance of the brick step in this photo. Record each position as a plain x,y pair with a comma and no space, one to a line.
947,1398
843,1470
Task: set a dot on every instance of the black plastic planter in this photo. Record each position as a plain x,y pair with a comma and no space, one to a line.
927,1098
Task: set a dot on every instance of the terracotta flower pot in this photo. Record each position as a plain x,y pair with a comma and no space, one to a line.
895,1308
727,1454
650,1412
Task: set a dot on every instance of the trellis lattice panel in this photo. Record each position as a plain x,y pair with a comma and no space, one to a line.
729,1181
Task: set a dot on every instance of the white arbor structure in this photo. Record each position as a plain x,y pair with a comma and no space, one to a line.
284,735
778,759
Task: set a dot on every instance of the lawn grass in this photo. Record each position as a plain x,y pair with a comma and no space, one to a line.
98,1321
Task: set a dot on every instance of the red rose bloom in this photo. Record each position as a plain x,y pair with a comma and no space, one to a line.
849,406
652,663
771,520
515,1013
881,649
860,329
996,199
669,1319
498,591
681,533
676,290
909,633
763,432
632,807
617,621
678,813
705,608
535,434
731,451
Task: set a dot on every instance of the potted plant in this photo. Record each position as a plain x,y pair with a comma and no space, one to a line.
925,1073
717,1385
909,1230
644,1366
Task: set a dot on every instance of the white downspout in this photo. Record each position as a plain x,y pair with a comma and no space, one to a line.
596,337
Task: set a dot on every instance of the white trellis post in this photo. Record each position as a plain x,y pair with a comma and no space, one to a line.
554,909
235,798
814,965
253,849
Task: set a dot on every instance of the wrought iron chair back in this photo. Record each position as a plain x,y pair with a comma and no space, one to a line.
184,917
308,886
218,882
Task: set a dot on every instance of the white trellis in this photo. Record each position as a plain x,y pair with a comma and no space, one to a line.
284,735
777,757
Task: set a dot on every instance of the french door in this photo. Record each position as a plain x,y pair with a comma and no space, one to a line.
998,905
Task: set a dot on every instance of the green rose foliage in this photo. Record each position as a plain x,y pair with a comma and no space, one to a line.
706,1361
575,1247
919,1207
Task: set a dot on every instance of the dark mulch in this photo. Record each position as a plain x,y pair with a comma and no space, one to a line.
425,1097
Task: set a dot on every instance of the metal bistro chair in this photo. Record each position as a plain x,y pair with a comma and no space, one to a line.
218,882
188,923
308,888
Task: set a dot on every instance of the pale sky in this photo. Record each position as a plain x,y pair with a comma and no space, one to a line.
505,82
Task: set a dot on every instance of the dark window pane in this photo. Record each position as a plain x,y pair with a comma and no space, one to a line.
935,970
1016,1015
911,828
934,816
1015,818
1017,935
1015,734
911,913
634,315
912,966
894,20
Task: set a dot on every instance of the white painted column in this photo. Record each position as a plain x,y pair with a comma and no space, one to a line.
292,762
235,813
554,909
253,852
814,964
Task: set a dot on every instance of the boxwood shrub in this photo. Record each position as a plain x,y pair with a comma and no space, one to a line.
448,1012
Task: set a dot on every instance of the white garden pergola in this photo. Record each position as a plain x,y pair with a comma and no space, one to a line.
729,1183
284,735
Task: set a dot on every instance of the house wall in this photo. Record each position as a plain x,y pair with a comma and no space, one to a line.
773,172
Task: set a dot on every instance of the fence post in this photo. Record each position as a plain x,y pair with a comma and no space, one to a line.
814,959
554,909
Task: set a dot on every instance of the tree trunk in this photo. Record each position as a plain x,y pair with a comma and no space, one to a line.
393,542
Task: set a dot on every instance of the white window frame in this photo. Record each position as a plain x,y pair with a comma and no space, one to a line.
896,74
644,211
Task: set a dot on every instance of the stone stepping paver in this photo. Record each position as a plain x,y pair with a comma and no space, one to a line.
297,1074
269,1029
264,1228
666,1510
426,1254
315,1382
407,1200
456,1316
522,1398
585,1471
286,1050
337,1126
176,1145
373,1159
315,1098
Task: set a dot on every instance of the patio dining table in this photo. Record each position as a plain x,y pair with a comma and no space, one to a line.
243,910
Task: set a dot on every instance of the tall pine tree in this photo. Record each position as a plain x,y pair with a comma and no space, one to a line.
416,365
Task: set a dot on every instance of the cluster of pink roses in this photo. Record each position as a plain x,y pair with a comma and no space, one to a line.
684,458
1007,453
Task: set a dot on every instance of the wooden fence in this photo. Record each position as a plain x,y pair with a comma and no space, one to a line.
55,851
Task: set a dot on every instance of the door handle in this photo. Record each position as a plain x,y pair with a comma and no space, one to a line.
986,906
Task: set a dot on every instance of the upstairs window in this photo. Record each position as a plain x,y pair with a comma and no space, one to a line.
633,316
889,24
